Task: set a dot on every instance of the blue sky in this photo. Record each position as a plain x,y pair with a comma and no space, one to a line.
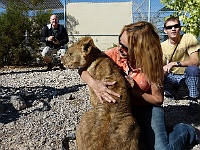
1,9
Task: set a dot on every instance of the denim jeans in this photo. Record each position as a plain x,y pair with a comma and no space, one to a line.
154,135
190,79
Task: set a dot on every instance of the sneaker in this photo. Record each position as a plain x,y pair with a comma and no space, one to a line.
61,66
49,66
173,98
193,106
168,94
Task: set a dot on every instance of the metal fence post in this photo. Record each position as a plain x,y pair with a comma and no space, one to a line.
65,22
149,11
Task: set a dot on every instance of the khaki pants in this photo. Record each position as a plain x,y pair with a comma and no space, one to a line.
47,52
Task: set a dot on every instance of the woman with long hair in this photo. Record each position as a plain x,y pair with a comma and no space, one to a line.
139,55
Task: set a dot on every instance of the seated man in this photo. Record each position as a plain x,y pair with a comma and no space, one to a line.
55,37
181,62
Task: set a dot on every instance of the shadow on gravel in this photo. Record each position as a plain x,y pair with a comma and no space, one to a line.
27,71
9,113
32,96
18,72
179,114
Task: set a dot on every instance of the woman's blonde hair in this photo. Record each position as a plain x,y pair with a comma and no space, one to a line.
144,49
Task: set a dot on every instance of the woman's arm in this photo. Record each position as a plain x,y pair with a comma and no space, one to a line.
99,87
155,96
139,97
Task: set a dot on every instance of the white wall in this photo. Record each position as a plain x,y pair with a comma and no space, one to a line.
101,19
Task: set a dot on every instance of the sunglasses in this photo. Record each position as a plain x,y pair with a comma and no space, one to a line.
122,45
175,26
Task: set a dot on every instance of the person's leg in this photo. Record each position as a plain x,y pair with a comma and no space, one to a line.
143,115
62,52
192,75
154,135
168,84
172,83
192,80
61,55
180,138
159,128
46,54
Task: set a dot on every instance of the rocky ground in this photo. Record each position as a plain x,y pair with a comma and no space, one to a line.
39,110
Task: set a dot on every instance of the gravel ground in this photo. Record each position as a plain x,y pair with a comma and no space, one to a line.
39,109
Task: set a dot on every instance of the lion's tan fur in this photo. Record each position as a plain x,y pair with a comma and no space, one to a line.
107,126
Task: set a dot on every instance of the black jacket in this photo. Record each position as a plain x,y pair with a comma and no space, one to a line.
62,36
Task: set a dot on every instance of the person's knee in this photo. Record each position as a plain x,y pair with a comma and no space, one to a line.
193,71
169,82
62,52
183,127
45,51
166,79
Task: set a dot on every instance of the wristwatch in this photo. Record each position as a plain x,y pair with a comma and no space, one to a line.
178,63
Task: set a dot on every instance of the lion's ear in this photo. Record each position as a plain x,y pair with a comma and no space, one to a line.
86,47
87,44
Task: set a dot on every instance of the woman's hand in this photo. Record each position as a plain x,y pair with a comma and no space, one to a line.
103,93
100,87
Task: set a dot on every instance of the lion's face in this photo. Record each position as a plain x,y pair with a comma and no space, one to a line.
76,55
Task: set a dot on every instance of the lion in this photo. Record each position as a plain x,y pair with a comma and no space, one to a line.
107,126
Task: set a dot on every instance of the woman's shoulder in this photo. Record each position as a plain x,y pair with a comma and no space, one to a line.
112,51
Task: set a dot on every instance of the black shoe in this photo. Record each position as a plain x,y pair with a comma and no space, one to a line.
61,66
193,106
169,95
65,141
49,67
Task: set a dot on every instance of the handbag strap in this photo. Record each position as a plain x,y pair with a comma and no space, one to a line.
173,52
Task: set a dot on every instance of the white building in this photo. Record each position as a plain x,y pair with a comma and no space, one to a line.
102,21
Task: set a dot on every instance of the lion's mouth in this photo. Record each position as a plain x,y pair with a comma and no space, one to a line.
74,66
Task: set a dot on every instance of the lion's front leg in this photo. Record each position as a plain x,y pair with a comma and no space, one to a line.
84,129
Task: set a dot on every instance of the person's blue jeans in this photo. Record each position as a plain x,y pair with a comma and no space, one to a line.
154,135
190,79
